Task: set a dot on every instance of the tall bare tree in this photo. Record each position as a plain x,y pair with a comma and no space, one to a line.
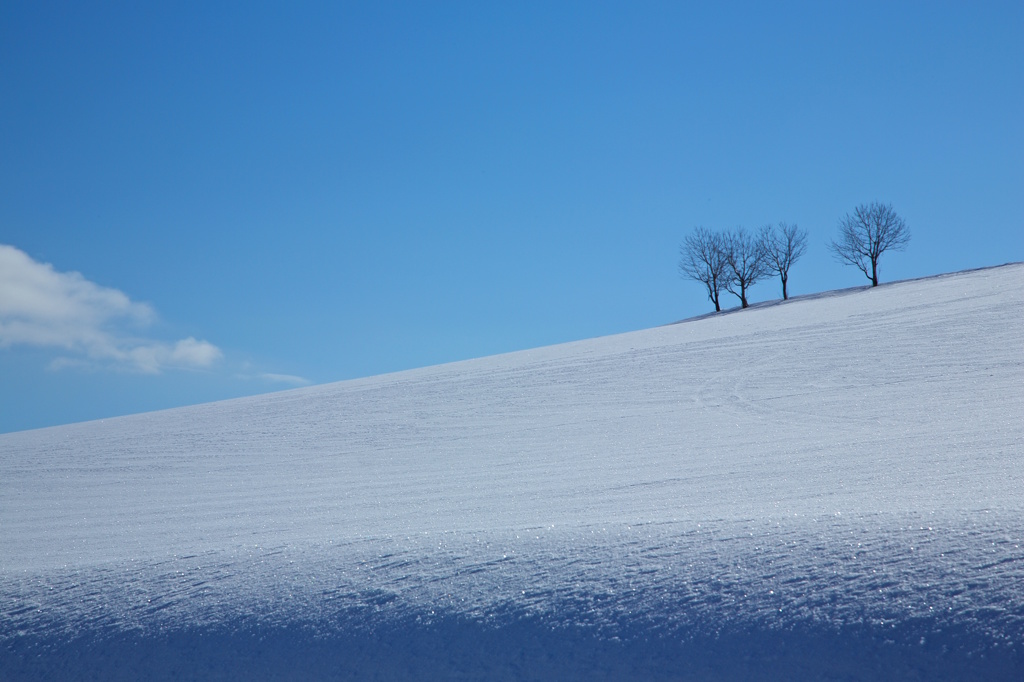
747,263
867,233
783,245
702,258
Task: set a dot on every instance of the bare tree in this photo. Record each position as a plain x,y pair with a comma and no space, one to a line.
747,263
702,258
866,234
783,245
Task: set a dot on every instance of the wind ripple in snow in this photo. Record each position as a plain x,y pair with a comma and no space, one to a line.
647,601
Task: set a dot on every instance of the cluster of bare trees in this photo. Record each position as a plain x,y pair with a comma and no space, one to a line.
735,260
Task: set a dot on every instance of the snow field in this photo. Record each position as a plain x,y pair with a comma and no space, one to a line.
831,487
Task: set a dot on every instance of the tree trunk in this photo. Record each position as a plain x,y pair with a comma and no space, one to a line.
785,296
874,272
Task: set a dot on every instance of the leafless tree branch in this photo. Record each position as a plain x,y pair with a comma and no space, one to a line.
745,256
867,233
702,258
783,245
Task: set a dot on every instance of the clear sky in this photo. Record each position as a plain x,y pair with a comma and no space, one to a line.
205,200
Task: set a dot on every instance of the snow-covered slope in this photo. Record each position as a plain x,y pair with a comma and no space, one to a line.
829,488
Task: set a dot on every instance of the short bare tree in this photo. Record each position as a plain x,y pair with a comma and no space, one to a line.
747,263
702,258
783,245
867,233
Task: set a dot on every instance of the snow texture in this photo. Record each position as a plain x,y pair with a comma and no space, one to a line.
826,488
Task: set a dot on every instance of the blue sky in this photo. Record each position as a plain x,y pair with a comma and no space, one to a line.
207,200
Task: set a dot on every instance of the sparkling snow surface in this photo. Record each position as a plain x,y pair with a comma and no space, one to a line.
829,488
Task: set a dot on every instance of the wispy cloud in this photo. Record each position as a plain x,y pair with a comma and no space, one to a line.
249,372
93,324
285,379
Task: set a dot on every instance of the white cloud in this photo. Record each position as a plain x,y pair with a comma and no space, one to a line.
197,353
152,357
45,308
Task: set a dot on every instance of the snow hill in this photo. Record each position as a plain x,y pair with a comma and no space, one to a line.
828,488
